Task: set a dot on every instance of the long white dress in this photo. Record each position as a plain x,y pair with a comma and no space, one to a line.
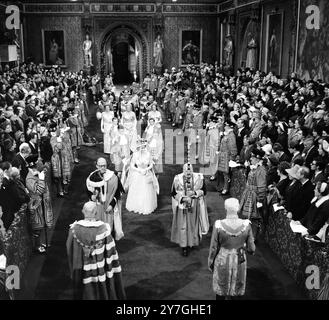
142,184
129,123
107,125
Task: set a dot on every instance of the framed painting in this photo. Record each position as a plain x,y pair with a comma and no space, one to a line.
274,40
190,48
224,32
53,43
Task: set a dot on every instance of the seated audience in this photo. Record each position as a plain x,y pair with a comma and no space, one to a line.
318,212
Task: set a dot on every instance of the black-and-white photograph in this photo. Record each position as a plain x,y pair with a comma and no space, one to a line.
174,151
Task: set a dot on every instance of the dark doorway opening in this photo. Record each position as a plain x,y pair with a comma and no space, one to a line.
120,63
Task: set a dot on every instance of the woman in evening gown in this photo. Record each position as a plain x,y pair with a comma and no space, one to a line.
142,184
106,125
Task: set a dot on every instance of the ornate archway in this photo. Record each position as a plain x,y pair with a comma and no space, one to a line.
140,41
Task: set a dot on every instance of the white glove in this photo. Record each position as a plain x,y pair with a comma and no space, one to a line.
41,175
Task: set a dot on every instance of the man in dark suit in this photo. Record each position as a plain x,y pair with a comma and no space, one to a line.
30,109
9,201
305,194
295,151
318,212
33,143
240,132
310,152
20,161
278,106
280,154
318,166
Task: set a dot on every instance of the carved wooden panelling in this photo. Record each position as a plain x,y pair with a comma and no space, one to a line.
241,3
120,8
189,8
225,6
53,8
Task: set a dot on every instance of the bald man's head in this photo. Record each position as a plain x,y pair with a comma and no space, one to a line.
101,165
89,209
101,161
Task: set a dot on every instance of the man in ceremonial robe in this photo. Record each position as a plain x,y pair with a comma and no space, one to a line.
254,194
210,150
104,187
40,208
190,216
196,134
93,259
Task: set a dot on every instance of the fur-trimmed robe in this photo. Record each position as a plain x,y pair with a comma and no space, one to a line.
94,262
110,191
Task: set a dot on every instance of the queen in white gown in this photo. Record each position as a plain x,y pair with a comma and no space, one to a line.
141,182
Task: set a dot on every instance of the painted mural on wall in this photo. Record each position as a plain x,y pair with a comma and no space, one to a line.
313,45
274,37
53,47
191,47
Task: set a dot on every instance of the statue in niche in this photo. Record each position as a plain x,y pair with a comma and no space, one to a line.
87,52
158,52
228,51
251,60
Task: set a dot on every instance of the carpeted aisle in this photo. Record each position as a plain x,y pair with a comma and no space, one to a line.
153,267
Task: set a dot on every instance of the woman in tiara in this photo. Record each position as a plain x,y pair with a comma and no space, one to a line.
141,182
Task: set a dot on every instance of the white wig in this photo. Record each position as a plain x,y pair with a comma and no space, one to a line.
89,209
232,206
